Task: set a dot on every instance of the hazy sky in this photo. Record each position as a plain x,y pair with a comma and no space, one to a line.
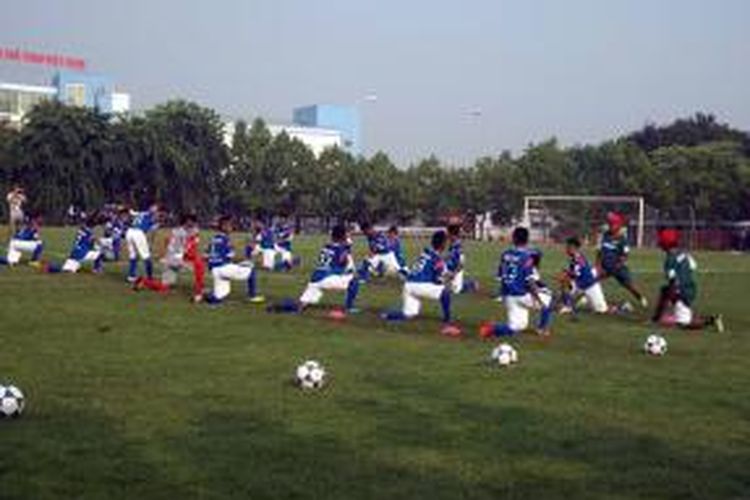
455,78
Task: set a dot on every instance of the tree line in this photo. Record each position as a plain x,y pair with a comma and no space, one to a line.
175,153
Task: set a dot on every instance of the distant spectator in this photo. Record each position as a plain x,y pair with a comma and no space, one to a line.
16,199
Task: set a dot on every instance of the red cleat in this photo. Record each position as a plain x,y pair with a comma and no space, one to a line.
486,330
452,331
337,315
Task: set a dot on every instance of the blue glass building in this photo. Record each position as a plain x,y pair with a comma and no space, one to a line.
344,119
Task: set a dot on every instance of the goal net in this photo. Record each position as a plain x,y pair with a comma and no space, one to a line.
551,218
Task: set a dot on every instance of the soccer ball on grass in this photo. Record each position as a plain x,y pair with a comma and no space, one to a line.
504,355
310,375
655,345
12,402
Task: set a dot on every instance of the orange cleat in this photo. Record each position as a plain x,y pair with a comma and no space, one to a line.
487,330
452,331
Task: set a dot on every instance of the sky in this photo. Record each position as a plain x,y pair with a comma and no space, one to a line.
458,79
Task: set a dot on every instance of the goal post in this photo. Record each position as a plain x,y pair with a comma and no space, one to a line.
636,200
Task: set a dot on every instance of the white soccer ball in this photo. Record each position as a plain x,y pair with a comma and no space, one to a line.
310,375
12,401
504,355
655,345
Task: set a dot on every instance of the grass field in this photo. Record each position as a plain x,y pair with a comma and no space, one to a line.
134,395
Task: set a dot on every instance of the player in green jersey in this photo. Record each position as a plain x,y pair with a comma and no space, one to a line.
680,292
613,256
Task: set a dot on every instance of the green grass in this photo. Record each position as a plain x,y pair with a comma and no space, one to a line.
133,395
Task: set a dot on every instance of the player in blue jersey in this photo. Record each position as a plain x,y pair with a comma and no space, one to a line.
385,253
455,262
284,234
223,268
334,272
114,232
136,237
521,289
427,279
85,249
266,244
26,240
580,278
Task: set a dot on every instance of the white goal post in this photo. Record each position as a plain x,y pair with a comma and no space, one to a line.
527,200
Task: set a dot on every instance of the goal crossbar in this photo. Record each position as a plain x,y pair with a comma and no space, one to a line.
639,200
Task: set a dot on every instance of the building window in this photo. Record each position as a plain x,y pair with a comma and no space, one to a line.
76,94
8,101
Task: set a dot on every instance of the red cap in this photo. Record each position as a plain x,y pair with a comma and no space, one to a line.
668,238
615,220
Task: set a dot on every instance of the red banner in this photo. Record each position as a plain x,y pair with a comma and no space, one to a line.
28,57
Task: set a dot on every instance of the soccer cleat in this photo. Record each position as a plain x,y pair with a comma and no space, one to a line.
452,331
719,323
36,264
564,310
137,284
353,310
644,302
486,330
197,299
337,314
257,299
544,333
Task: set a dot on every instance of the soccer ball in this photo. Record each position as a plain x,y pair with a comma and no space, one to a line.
655,345
12,401
310,375
504,355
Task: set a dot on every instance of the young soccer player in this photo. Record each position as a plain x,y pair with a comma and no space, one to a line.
580,278
455,262
334,271
613,256
224,270
182,251
26,240
383,258
426,279
84,250
680,291
521,290
266,240
284,233
136,238
114,232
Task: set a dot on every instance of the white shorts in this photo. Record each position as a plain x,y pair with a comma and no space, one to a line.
518,308
268,258
224,275
683,315
286,255
73,266
16,216
387,260
413,292
314,291
17,247
137,244
596,300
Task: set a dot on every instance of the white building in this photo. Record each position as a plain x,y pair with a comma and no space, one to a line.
317,139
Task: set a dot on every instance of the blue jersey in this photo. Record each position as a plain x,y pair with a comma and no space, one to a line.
455,260
378,243
284,234
581,271
114,228
220,250
429,268
394,245
83,243
517,271
267,239
145,221
334,259
27,233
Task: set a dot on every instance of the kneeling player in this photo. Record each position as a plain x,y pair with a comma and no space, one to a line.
521,290
84,250
224,270
385,253
26,240
580,279
681,290
334,272
182,251
427,280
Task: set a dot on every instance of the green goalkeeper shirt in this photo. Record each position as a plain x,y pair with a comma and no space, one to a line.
679,268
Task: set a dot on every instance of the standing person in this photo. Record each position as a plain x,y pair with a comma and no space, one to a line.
681,290
613,255
284,233
182,250
224,270
266,242
456,262
427,280
114,232
16,199
521,290
136,237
